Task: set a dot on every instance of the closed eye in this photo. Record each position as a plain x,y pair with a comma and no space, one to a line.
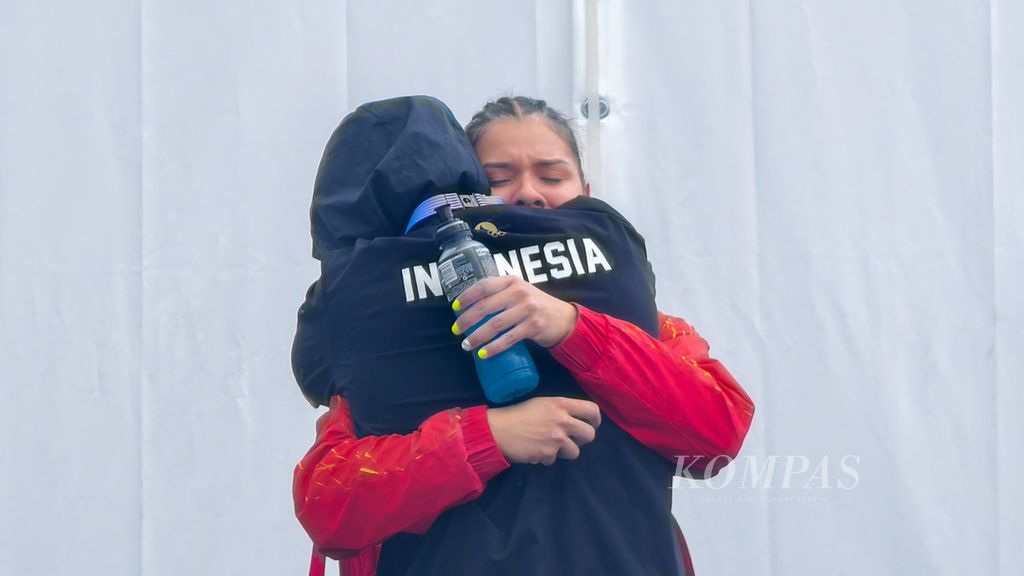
496,183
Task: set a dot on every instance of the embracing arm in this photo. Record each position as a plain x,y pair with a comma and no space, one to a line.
404,481
351,493
669,393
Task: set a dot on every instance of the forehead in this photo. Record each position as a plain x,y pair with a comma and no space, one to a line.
510,139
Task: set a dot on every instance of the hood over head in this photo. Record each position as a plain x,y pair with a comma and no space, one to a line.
382,161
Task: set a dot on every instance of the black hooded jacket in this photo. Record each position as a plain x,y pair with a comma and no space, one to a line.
375,329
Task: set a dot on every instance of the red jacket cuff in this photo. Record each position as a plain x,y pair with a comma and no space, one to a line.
482,450
580,351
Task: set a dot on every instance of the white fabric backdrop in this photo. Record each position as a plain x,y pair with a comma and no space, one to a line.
831,193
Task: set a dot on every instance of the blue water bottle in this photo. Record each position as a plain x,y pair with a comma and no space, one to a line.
465,262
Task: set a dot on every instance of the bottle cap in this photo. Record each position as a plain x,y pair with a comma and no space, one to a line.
450,227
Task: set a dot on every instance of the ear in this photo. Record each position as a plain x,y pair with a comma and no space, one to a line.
586,189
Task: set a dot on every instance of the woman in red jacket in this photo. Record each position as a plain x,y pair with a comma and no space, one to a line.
668,393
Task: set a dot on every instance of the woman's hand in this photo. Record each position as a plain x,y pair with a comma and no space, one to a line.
542,429
525,311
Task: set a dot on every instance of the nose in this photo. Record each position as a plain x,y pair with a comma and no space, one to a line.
527,195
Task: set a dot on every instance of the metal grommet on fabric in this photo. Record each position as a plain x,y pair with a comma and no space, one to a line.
604,108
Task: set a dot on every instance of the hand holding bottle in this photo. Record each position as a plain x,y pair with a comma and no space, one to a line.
521,311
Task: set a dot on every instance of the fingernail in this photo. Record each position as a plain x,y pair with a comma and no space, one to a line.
482,353
466,346
456,305
455,328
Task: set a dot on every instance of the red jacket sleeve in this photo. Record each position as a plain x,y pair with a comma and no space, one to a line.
668,394
403,482
351,493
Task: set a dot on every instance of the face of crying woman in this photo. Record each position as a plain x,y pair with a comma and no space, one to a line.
528,164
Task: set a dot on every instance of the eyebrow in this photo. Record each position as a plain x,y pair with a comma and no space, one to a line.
543,163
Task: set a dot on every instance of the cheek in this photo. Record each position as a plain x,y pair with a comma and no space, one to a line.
503,192
558,196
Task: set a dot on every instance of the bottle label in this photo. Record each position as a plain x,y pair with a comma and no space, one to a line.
464,269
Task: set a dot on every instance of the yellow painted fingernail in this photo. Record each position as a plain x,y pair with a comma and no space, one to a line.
456,305
482,353
455,328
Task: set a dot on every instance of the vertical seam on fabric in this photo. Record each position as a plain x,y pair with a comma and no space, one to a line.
993,141
757,247
142,290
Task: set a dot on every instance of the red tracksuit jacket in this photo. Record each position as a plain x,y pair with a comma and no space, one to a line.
351,493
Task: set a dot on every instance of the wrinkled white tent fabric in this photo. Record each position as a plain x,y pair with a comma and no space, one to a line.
833,193
836,184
